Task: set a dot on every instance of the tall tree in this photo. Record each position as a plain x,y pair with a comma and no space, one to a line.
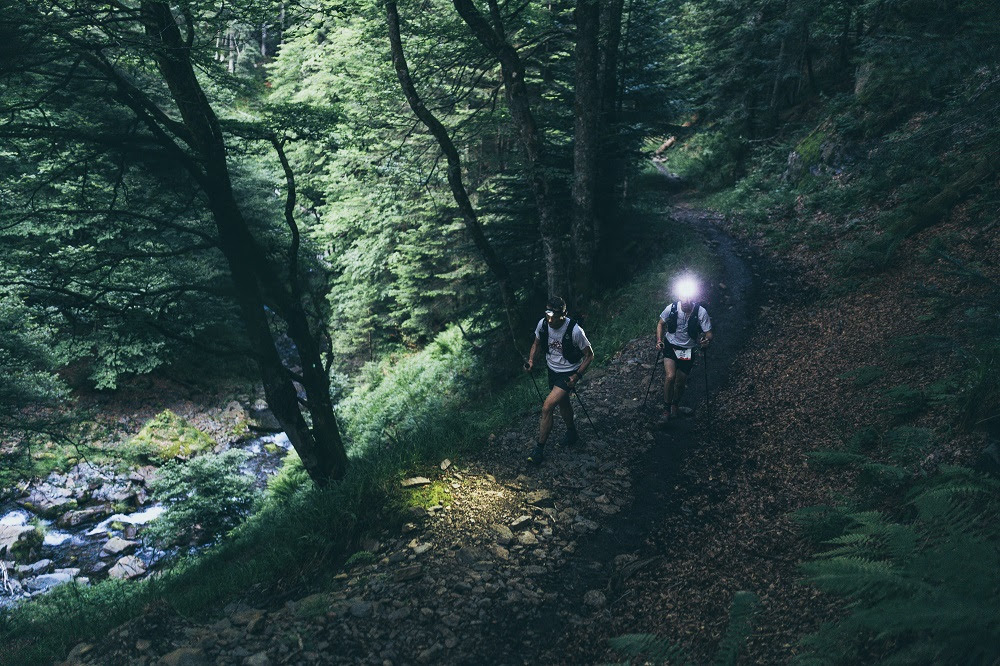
552,224
586,149
459,192
171,105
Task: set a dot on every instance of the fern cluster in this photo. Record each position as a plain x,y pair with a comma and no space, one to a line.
922,589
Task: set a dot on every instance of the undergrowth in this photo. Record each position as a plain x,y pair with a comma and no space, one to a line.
404,418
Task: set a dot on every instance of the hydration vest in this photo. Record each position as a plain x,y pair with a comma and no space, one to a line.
694,324
570,351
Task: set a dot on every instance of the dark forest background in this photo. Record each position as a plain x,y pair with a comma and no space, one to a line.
329,201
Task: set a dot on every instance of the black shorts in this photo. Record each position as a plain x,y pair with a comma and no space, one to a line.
560,379
682,365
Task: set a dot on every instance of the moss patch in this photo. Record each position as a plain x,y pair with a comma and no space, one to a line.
436,494
30,541
168,436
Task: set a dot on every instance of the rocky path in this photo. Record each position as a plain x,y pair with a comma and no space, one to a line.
520,565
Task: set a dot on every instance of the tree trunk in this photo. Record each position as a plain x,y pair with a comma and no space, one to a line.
255,279
551,224
461,195
587,112
611,160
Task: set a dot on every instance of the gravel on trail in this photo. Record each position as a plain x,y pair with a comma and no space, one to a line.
524,564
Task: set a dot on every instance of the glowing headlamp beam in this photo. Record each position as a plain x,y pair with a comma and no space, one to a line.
686,288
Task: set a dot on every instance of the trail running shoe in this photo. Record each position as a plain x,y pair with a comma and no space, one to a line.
537,455
569,439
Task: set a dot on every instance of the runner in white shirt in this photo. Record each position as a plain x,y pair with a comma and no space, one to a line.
678,331
567,355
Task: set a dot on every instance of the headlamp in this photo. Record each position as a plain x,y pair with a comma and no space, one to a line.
686,288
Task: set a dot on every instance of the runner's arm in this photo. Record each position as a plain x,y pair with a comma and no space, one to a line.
659,333
588,356
706,327
532,354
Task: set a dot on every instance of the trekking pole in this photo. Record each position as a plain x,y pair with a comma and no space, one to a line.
534,383
708,395
650,384
600,435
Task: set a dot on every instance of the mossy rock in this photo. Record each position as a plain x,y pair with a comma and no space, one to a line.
29,541
168,436
810,148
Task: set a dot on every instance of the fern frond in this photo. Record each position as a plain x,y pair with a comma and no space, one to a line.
740,616
853,576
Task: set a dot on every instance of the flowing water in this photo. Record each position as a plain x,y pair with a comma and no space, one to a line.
76,551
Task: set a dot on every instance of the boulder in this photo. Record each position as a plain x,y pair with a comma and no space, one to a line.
18,539
127,567
168,436
90,514
119,546
39,567
47,501
46,581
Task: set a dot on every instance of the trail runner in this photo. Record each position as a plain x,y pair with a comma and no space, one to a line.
678,331
567,355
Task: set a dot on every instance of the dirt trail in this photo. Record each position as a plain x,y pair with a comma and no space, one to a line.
524,565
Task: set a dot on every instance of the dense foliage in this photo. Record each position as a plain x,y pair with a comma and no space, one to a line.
299,217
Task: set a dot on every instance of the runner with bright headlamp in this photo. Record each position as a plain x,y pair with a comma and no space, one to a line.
682,326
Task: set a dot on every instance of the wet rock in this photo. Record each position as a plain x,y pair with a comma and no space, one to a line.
119,546
39,567
127,567
47,501
415,482
90,514
18,538
426,656
46,581
595,599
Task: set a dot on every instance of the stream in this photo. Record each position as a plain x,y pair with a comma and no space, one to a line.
91,519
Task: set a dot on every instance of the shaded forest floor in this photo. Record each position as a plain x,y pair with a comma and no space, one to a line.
639,530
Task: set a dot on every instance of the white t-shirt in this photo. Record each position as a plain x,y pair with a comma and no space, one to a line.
680,337
554,354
